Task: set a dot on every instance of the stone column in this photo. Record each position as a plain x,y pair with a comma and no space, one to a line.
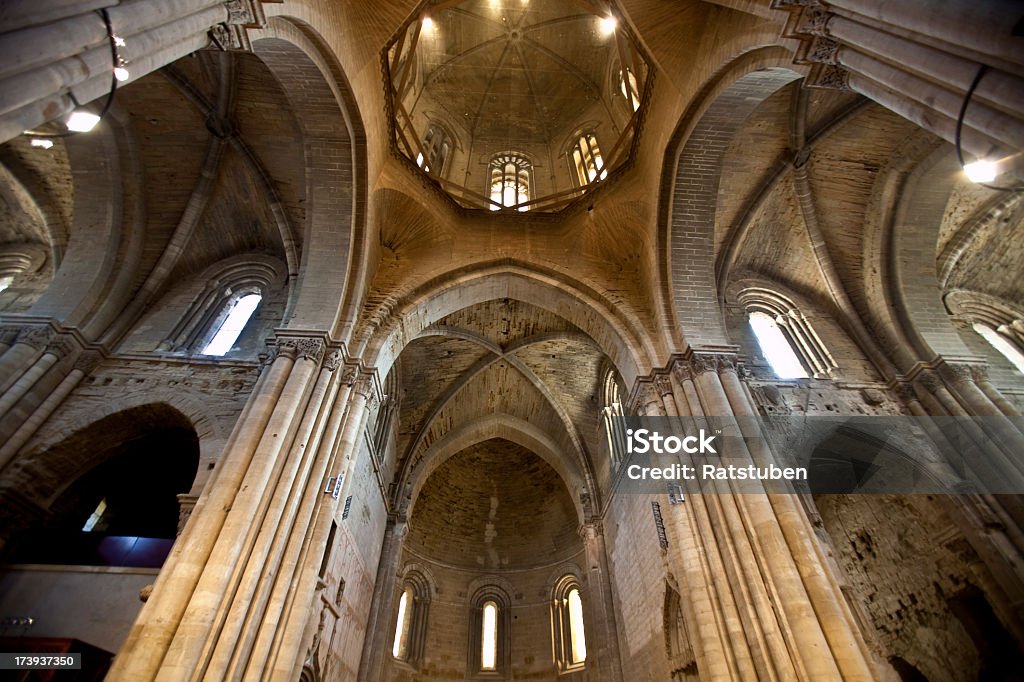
830,613
919,60
376,644
254,609
177,623
291,639
26,348
605,644
83,365
59,347
722,650
57,49
765,602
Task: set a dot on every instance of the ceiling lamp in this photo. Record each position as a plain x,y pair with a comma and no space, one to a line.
607,25
981,171
81,121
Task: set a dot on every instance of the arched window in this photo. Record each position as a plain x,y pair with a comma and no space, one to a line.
629,88
232,321
236,290
437,146
611,410
567,628
489,649
489,636
1002,343
411,620
775,347
510,181
587,160
786,338
999,323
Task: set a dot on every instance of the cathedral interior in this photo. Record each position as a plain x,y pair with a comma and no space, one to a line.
320,321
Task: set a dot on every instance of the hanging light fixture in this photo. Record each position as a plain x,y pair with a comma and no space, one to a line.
81,120
980,171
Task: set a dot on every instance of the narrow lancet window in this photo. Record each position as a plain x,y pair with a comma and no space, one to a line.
239,313
400,648
1001,344
577,639
489,637
776,347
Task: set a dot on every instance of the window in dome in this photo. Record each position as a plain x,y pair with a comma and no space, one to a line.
510,182
586,159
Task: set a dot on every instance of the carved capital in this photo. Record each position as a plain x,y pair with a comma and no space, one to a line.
241,12
88,361
663,385
61,346
704,362
310,349
349,376
823,50
713,362
905,392
37,337
287,347
186,503
8,333
930,381
333,360
683,372
829,76
957,371
364,387
979,373
812,20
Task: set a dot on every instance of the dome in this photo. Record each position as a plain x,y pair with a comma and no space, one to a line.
515,105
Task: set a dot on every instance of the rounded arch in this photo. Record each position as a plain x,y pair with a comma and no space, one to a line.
92,283
335,151
44,474
480,430
689,184
920,310
399,320
47,467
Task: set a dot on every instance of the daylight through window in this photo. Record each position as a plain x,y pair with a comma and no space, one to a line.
510,181
1002,345
489,637
776,348
241,310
